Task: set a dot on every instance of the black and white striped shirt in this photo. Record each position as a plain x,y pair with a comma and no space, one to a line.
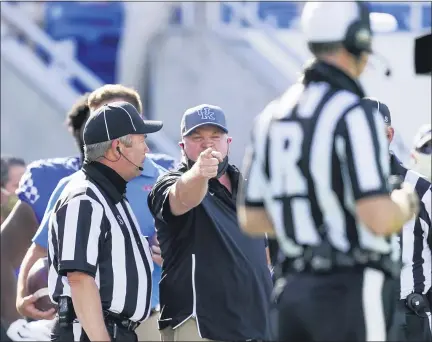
416,236
314,153
93,230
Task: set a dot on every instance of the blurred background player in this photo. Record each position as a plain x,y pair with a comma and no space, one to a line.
137,191
12,169
36,186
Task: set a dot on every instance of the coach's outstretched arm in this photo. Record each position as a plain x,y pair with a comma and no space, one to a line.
192,186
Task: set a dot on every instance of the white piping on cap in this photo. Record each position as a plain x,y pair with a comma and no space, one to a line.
106,125
129,118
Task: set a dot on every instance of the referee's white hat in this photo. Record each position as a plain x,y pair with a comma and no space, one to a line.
329,21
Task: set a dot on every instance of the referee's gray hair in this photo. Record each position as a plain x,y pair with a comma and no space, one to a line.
94,152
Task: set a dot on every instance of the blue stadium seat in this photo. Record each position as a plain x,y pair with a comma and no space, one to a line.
284,12
176,16
426,16
96,27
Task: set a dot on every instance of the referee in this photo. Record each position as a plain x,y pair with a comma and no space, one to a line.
317,174
100,265
416,244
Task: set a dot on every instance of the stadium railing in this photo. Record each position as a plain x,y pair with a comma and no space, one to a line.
62,69
260,35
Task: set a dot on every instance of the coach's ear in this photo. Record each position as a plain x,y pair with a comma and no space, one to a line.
229,140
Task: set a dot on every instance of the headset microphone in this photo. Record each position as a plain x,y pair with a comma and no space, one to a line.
138,167
385,62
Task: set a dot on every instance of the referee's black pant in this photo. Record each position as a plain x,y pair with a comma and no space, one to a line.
74,332
348,305
412,326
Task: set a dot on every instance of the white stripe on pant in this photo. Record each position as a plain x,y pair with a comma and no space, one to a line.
373,309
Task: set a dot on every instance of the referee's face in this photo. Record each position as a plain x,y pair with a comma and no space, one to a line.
136,154
204,137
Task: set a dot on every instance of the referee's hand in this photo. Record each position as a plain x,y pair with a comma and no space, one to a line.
407,199
207,163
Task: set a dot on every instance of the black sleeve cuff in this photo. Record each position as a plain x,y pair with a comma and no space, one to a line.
254,204
166,214
73,266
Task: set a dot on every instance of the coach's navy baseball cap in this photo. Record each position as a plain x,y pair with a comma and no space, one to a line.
115,120
203,115
381,107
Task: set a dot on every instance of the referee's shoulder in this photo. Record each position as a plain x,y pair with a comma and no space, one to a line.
419,182
350,104
80,188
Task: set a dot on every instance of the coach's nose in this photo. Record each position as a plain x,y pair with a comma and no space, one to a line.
207,143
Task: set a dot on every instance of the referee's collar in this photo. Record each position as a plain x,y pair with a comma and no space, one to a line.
320,71
109,180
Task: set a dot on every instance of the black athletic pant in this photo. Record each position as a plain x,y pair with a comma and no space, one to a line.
349,305
74,332
411,326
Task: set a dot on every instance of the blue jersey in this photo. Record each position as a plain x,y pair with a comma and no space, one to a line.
136,192
41,178
163,160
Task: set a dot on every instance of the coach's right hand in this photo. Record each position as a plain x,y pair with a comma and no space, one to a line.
207,163
407,199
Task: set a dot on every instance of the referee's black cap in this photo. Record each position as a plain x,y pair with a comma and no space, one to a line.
115,120
378,105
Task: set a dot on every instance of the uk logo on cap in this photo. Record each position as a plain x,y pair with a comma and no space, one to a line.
206,113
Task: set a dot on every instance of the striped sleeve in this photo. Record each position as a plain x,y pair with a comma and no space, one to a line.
256,181
79,234
366,152
427,202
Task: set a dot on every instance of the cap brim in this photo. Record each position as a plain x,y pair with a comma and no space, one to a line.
383,22
425,139
189,131
149,126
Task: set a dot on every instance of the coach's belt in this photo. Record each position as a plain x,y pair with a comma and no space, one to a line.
121,321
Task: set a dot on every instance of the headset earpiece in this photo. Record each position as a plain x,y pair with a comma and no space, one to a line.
358,37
